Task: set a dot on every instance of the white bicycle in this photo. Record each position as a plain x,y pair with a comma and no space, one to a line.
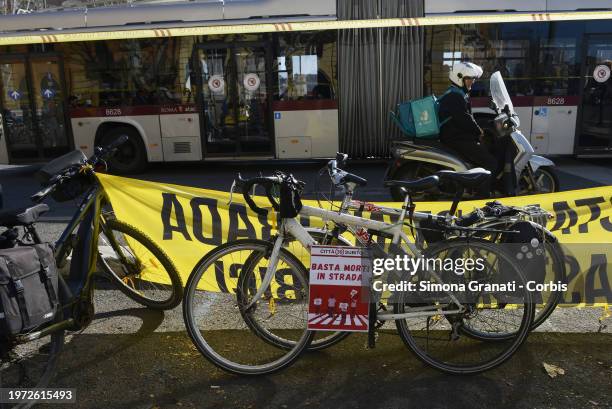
257,323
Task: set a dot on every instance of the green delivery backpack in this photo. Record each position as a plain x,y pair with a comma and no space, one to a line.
419,118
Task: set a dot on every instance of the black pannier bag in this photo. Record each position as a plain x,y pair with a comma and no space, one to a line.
28,288
71,188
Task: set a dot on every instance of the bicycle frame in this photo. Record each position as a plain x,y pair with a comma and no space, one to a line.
487,223
292,228
75,292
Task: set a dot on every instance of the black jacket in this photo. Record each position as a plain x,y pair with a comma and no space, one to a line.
461,126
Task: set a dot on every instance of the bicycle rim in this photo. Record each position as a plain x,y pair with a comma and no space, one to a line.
441,341
546,301
30,365
218,292
138,267
321,339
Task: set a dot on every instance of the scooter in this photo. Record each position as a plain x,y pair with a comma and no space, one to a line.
532,173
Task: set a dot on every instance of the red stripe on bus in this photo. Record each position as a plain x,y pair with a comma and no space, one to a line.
530,101
307,105
133,111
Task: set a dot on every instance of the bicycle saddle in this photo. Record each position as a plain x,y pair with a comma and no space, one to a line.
415,185
22,216
469,178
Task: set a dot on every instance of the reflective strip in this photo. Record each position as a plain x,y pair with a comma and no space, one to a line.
57,36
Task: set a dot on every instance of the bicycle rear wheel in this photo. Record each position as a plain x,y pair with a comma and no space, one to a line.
216,305
138,266
440,339
31,364
553,270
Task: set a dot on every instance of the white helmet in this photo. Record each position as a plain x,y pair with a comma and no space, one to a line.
462,70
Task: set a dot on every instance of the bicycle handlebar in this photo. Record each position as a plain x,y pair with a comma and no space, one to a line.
341,177
101,153
40,196
267,182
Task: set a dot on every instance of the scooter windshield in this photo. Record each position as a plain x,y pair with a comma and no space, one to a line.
499,93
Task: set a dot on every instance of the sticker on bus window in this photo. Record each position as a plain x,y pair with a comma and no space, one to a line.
14,95
48,93
216,83
601,73
251,82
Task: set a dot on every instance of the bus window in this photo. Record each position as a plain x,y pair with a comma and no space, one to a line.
557,68
306,67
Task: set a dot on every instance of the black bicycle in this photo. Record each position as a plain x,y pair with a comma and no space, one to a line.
136,264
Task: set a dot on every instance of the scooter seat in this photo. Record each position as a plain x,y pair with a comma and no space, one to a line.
22,216
469,178
434,145
415,185
349,177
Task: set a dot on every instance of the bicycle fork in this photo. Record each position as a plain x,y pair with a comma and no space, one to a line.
291,228
270,270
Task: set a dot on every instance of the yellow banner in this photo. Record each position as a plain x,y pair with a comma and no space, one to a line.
188,222
58,36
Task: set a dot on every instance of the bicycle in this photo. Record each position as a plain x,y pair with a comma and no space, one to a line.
132,255
268,276
495,220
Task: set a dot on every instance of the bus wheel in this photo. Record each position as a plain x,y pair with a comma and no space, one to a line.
131,157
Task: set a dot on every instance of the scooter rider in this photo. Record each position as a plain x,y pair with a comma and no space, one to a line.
459,130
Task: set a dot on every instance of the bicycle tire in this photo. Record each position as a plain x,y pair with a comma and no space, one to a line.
513,343
328,339
213,259
56,342
560,275
156,257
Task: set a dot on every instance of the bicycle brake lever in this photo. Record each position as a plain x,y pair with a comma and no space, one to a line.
232,187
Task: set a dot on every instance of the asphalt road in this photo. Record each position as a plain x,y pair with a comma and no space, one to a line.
143,367
19,184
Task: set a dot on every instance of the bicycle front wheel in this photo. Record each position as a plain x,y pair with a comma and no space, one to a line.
219,301
321,339
138,266
492,300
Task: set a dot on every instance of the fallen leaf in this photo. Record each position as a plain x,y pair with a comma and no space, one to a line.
553,370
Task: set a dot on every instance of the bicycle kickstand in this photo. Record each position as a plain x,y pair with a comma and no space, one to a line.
372,326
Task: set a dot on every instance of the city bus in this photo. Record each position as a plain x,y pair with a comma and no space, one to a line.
290,95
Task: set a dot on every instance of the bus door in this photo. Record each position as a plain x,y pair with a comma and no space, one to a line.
234,99
594,125
32,104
